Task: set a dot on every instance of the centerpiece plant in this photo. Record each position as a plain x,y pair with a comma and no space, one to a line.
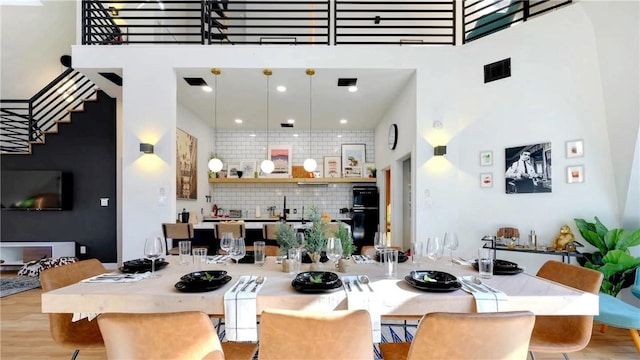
348,247
315,239
613,258
285,237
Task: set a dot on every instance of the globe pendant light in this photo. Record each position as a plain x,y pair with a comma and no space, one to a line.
310,164
215,164
267,165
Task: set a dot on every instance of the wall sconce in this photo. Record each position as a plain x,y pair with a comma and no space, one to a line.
440,150
146,148
114,11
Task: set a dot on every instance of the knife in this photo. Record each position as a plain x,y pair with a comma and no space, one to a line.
348,285
247,284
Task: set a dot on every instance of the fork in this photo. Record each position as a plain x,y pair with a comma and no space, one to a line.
237,285
355,282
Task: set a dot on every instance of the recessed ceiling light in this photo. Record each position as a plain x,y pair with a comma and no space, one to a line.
353,88
207,88
343,121
339,136
252,135
295,135
291,121
281,88
238,121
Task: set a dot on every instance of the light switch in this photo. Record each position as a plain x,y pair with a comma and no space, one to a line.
104,202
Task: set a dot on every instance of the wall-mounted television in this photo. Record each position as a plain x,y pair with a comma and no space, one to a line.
36,190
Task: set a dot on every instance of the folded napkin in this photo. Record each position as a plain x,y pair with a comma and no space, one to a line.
240,318
116,278
359,296
488,299
362,259
217,259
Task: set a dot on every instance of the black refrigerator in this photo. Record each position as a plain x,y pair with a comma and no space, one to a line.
366,215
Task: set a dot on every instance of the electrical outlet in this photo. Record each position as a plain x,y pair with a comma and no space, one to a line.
295,211
83,250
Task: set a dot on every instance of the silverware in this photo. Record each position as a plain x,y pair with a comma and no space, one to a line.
237,285
473,286
348,285
247,285
259,281
480,283
355,282
365,280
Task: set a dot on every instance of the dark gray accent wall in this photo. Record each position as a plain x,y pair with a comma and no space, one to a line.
86,148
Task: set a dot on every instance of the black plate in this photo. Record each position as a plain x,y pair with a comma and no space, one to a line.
199,278
502,267
402,257
435,286
328,280
141,265
185,287
314,288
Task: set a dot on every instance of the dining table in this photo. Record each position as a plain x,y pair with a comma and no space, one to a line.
395,296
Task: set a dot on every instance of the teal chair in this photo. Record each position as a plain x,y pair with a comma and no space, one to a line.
617,313
635,288
495,21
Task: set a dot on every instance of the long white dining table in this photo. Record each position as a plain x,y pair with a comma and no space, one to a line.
396,296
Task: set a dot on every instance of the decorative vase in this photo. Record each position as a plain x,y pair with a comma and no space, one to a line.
343,265
316,265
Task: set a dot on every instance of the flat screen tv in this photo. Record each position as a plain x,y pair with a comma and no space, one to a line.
36,190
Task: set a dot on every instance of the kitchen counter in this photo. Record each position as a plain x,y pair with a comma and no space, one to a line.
256,223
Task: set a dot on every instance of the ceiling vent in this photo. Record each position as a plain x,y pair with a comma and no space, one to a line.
286,125
195,81
497,70
347,81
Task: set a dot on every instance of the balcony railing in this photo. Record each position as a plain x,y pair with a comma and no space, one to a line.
311,22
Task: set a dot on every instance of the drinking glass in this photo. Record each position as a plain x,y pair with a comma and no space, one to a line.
379,241
434,248
451,243
225,243
153,249
334,249
237,250
300,239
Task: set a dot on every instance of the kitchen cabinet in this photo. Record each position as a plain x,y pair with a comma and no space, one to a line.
300,181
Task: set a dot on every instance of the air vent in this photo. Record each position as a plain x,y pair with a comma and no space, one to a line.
195,81
497,70
347,81
286,125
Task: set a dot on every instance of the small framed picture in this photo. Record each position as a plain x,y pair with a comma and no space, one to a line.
232,170
486,180
575,174
369,170
332,167
486,158
353,160
575,149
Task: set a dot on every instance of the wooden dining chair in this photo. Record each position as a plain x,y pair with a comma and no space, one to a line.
77,335
269,232
174,232
492,335
237,229
330,230
179,335
565,334
299,334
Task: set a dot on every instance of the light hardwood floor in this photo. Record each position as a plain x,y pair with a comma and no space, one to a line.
24,334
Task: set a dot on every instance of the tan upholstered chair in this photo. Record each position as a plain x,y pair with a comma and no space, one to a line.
269,250
182,335
565,334
269,231
175,232
81,334
238,229
497,335
330,230
297,334
371,251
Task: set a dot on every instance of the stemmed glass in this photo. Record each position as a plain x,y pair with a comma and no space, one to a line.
153,249
451,243
434,248
237,250
379,242
334,249
225,243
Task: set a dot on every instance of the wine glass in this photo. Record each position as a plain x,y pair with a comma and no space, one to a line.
237,250
434,248
379,241
451,243
225,243
334,249
153,249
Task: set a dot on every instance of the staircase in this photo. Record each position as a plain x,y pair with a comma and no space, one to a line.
26,122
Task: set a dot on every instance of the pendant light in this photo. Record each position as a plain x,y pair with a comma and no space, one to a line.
215,164
310,164
267,165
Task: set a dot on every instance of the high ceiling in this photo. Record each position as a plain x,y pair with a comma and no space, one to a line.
242,95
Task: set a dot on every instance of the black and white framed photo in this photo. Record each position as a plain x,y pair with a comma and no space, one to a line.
232,170
528,169
575,149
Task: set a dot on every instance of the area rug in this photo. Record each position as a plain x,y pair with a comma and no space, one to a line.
14,285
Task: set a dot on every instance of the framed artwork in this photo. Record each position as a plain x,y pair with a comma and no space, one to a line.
528,169
575,149
248,168
186,166
486,180
486,158
332,167
369,170
575,174
232,170
281,156
353,160
318,172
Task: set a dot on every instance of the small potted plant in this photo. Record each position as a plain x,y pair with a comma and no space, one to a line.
285,237
315,238
347,246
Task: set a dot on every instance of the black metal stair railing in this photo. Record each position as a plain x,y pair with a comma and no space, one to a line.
23,122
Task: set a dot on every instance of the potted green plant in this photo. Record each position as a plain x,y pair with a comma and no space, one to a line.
613,258
347,246
315,239
285,237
